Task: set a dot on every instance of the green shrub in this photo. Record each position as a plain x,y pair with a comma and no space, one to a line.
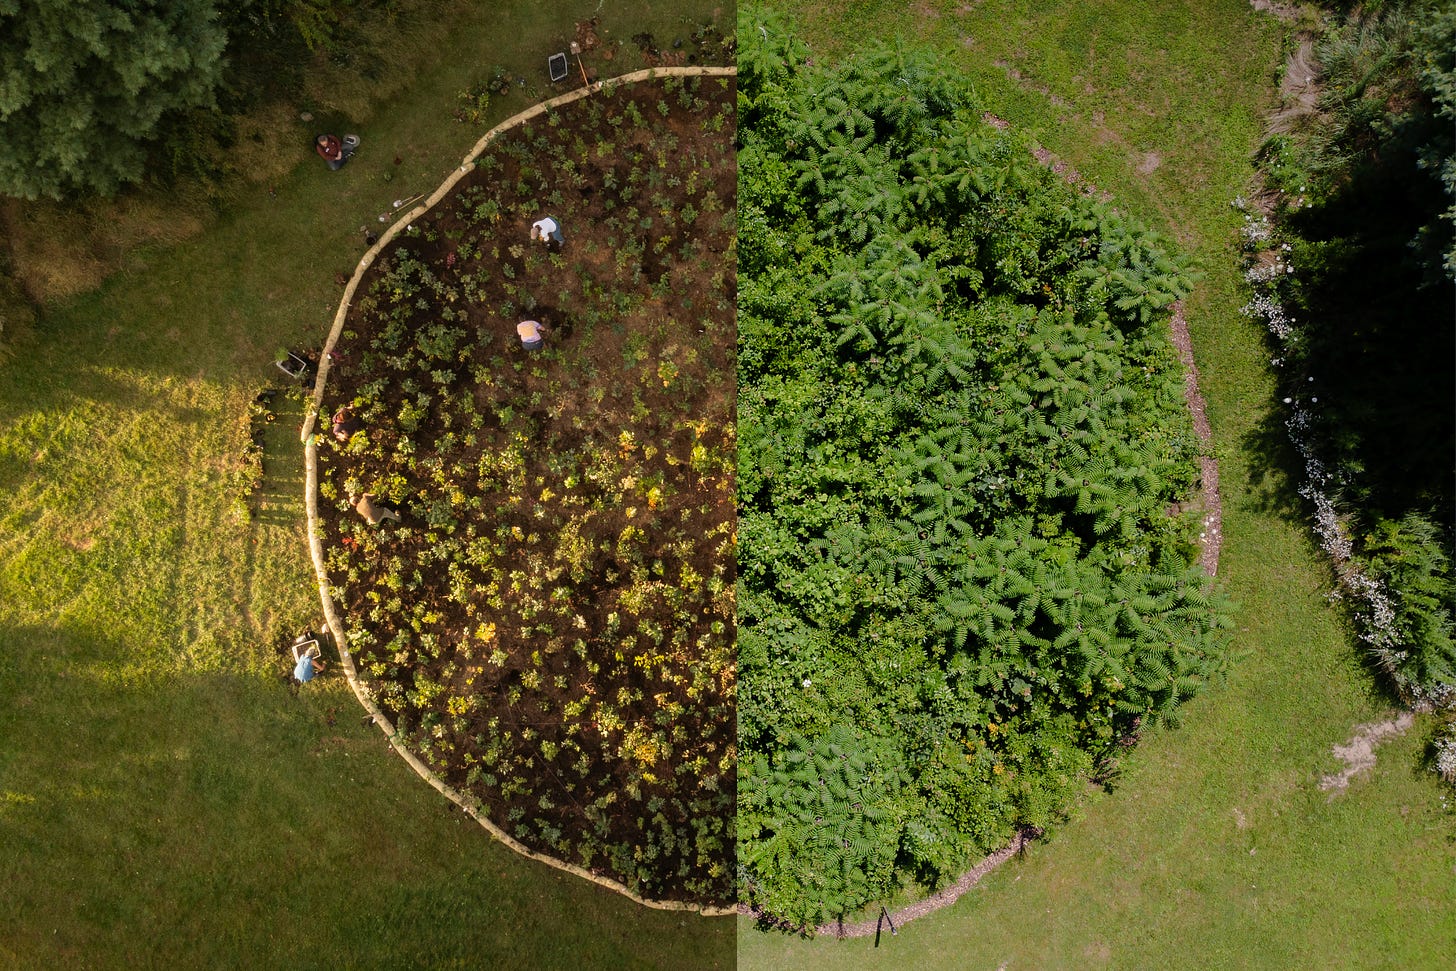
961,426
1411,558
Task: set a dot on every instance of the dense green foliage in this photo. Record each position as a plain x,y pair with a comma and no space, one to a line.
961,428
84,86
1363,306
94,96
1409,556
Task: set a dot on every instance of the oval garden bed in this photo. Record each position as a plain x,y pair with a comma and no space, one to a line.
550,621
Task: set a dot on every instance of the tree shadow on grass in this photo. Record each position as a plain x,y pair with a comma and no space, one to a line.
1378,371
41,379
179,815
1275,470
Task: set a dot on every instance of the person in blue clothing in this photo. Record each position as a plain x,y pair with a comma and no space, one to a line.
307,660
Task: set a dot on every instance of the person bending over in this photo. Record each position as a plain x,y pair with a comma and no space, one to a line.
532,334
546,230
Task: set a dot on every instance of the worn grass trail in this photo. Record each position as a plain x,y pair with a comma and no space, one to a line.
165,800
1216,849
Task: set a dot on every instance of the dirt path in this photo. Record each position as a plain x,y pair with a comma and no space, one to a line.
1210,542
942,898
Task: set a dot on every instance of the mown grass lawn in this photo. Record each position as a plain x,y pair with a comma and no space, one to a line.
165,799
1216,848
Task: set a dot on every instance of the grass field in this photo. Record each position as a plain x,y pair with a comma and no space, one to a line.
165,799
1216,849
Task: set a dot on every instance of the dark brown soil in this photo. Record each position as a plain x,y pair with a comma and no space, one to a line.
552,622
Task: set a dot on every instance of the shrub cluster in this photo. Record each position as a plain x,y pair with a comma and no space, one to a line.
961,440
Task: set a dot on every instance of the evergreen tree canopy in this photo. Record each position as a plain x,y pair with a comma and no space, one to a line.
961,433
85,83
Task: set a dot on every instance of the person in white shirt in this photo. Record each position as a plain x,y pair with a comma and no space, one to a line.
546,230
374,512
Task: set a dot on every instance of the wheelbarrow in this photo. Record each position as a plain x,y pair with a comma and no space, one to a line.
294,366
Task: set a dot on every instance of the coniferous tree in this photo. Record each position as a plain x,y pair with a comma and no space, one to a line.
961,428
84,85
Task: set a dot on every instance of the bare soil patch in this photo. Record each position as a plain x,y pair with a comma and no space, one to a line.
1286,12
1358,753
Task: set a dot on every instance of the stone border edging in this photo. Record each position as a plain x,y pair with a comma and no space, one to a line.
315,539
939,899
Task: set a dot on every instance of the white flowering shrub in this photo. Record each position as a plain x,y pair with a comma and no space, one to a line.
1256,230
1401,586
1444,743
